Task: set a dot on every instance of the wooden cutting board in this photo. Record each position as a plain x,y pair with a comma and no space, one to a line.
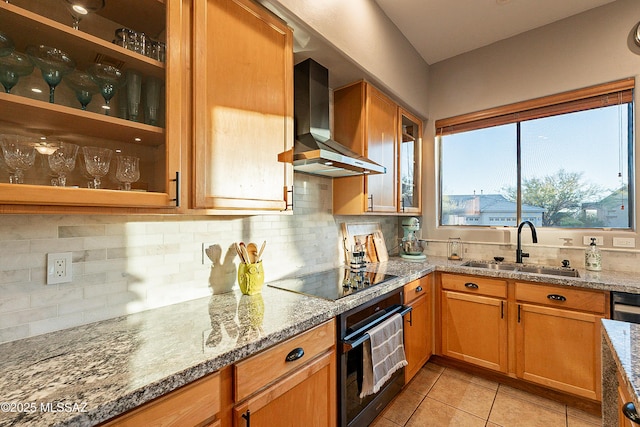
370,235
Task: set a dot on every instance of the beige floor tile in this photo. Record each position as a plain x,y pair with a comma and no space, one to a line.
585,416
489,424
510,411
423,381
434,367
471,378
538,400
461,394
432,413
402,407
579,422
383,422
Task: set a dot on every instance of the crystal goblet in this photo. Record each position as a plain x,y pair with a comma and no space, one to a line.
81,8
63,161
6,44
97,161
19,155
12,67
83,86
128,170
53,63
109,79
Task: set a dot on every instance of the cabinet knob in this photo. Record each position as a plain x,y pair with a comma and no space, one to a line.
419,289
471,285
295,354
556,297
629,411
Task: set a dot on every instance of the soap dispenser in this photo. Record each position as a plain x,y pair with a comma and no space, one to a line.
592,257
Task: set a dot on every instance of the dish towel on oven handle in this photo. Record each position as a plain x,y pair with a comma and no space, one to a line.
383,354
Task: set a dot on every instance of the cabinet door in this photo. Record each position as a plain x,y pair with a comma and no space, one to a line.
305,398
474,329
417,336
243,106
409,163
382,149
559,349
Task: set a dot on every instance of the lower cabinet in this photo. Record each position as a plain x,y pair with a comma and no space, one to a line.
196,404
624,397
417,325
289,385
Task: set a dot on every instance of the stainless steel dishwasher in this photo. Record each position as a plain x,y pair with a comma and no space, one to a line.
625,307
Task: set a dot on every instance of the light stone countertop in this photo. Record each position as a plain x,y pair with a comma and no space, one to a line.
106,368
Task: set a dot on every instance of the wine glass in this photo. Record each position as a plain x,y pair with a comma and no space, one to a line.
109,79
19,155
128,170
63,161
83,86
12,67
80,8
6,44
97,161
53,63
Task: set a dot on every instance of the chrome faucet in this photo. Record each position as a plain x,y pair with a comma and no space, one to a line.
534,236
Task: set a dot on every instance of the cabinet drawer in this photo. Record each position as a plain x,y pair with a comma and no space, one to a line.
559,296
476,285
417,288
190,405
255,372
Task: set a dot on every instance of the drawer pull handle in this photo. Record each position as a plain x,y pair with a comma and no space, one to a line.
295,354
629,411
556,297
247,417
419,289
471,285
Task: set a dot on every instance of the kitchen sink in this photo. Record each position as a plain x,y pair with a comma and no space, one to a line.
524,268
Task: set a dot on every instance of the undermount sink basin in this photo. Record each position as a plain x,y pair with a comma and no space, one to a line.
524,268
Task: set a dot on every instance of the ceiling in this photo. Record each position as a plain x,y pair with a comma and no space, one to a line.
441,29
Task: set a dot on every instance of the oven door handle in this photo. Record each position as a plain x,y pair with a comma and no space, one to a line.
356,338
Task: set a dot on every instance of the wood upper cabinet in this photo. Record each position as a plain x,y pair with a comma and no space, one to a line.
409,163
366,121
474,320
558,338
242,106
271,389
418,325
26,111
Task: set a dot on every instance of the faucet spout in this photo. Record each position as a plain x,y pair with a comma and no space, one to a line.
534,237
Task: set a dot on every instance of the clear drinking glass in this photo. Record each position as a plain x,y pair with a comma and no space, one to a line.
19,155
62,161
134,87
128,170
12,67
81,8
83,86
6,44
152,100
53,63
109,79
97,161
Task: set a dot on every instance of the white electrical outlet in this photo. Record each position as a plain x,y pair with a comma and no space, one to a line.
59,268
624,242
586,240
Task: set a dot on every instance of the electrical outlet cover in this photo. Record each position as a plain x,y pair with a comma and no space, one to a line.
59,268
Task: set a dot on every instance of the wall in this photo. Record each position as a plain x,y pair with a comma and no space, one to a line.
126,264
590,48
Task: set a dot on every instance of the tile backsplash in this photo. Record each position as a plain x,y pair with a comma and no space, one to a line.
127,264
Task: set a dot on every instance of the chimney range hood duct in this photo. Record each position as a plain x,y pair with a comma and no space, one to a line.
314,152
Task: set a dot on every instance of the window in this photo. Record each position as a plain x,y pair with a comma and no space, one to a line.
558,161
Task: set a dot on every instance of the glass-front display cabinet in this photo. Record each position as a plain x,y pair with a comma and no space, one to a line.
410,161
83,110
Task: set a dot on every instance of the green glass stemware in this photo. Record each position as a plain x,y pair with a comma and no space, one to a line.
12,67
53,63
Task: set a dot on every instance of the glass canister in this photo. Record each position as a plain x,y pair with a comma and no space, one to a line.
454,248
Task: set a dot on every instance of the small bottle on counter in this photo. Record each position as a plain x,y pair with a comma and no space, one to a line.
592,257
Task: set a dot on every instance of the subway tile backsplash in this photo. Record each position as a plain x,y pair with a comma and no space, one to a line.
127,264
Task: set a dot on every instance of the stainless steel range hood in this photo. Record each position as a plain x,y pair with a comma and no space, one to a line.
314,152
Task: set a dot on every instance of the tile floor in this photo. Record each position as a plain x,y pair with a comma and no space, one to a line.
439,397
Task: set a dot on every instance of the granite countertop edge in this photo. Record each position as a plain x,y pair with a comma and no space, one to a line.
318,312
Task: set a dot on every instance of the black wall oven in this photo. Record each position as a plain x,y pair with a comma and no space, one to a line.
352,326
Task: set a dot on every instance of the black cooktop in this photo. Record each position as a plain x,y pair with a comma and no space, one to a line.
332,284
